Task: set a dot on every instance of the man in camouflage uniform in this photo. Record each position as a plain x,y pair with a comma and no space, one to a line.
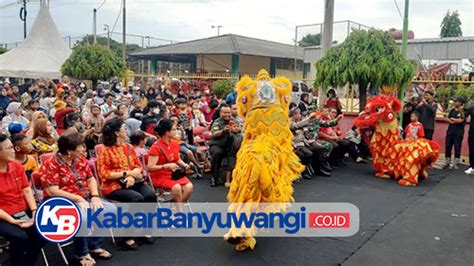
311,134
226,137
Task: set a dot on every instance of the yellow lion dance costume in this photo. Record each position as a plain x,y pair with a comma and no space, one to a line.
266,164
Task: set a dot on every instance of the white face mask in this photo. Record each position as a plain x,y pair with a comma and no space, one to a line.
156,111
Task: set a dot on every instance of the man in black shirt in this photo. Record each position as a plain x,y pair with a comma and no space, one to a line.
427,110
137,111
470,112
455,133
151,118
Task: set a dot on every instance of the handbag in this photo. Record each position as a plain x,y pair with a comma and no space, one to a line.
177,174
122,181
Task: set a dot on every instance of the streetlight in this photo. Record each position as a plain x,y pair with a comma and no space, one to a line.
218,28
107,28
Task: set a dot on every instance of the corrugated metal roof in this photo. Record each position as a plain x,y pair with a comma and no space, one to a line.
227,44
439,40
434,49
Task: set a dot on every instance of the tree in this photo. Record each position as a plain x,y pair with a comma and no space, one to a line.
115,46
92,62
451,25
3,50
365,57
223,87
310,40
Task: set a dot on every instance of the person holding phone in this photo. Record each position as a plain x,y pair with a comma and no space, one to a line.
17,209
225,141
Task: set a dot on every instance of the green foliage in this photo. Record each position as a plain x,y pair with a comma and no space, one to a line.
223,87
3,50
115,46
310,40
451,25
92,62
466,93
364,57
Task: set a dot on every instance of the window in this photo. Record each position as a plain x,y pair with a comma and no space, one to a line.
304,87
294,87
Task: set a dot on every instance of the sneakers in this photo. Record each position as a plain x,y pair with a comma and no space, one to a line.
469,171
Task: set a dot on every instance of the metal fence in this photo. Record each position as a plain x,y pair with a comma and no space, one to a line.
143,41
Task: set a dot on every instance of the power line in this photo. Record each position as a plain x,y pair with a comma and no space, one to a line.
118,16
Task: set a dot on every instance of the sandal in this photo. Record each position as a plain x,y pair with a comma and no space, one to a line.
101,253
86,260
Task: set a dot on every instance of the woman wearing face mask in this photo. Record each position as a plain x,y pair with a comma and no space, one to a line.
14,114
151,118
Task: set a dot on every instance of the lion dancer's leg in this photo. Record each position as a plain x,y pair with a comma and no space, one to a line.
410,176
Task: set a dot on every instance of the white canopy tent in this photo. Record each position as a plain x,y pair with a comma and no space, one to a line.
41,54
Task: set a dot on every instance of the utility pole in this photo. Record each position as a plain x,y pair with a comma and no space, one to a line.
326,40
218,29
296,50
94,22
23,15
94,26
124,34
401,93
107,28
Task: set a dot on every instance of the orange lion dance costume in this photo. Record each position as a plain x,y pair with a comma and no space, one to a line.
405,160
266,164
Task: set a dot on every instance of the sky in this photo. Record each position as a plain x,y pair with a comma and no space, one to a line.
275,20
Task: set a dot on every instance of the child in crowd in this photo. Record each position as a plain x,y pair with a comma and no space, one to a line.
138,140
415,129
23,148
358,149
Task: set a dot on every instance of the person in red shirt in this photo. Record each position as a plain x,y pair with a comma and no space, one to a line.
415,129
17,208
67,174
164,159
61,112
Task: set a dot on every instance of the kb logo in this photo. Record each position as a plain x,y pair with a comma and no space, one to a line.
58,219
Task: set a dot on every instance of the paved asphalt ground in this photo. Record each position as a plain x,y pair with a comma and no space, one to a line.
431,224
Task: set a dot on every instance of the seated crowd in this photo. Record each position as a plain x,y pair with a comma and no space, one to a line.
125,144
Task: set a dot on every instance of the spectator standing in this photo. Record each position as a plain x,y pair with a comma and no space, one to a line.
455,134
427,109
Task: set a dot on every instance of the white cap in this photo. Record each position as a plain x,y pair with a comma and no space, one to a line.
130,84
